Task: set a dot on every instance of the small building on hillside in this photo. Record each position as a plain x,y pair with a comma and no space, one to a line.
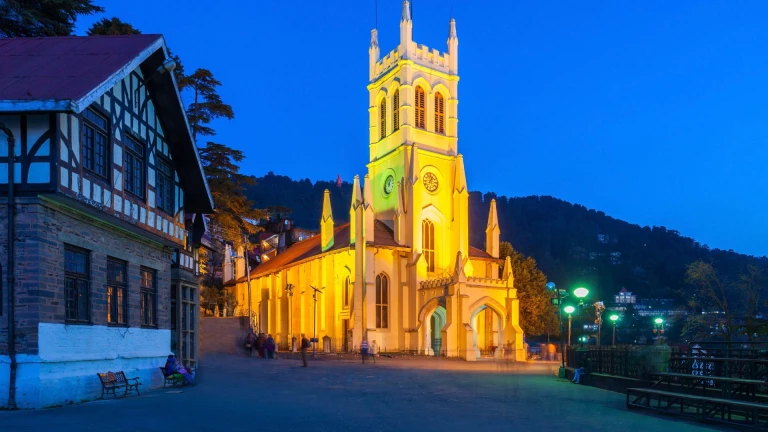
95,257
624,297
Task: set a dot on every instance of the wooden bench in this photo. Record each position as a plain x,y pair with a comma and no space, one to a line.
733,412
113,381
175,380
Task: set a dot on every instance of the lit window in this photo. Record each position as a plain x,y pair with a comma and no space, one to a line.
383,118
148,297
428,243
439,113
382,301
421,117
117,292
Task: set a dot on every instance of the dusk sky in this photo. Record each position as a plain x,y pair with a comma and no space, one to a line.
653,112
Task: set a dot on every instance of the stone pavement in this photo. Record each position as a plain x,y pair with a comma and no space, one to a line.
248,394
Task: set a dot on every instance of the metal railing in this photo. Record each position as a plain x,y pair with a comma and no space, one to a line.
633,361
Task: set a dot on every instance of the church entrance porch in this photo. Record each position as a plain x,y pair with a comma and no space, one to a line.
487,326
433,336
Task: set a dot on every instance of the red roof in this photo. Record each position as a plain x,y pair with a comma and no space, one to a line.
64,68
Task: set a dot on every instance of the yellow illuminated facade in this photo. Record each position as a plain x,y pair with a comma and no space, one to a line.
401,273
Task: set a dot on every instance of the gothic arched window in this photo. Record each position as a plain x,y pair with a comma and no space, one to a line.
382,301
396,110
439,113
383,117
345,293
428,243
421,115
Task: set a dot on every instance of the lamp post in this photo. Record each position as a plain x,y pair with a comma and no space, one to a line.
559,295
658,326
314,320
289,290
614,318
599,308
581,293
569,310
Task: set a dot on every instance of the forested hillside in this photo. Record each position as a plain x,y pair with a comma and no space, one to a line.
572,245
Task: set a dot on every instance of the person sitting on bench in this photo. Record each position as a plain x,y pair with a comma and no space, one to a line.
577,373
172,366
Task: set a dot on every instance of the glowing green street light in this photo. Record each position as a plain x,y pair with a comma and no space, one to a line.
658,321
581,292
569,310
614,318
659,327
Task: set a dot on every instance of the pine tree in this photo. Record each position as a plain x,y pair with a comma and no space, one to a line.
206,103
234,213
111,27
38,18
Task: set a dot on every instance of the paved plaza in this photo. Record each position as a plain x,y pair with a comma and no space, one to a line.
247,394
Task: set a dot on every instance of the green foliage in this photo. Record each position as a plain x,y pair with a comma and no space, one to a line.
232,208
38,18
207,105
537,314
111,27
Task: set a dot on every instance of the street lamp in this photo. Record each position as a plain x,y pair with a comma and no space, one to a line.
581,293
658,326
559,295
314,321
569,310
614,318
289,290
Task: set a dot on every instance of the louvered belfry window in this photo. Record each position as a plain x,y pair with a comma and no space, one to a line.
439,113
383,117
396,110
421,115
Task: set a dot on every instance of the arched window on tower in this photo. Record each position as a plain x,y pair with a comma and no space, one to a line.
345,293
383,117
428,243
396,110
421,115
439,113
382,301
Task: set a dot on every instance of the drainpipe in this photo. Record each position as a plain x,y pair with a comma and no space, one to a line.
10,270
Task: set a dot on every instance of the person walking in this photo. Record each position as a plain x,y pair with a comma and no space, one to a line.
261,345
374,351
304,346
250,340
270,347
364,349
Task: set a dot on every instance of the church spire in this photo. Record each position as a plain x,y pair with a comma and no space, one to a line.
356,203
492,232
373,53
460,181
406,32
453,48
326,223
368,209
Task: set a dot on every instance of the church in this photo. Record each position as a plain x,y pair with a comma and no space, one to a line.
401,273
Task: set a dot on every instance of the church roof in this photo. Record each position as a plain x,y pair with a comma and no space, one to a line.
383,236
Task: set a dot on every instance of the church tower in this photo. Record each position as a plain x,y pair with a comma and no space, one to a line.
416,173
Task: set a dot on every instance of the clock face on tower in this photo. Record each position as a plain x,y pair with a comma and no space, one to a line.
430,182
389,184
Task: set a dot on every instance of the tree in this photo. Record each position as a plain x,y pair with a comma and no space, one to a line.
38,18
711,308
111,27
751,286
537,315
234,213
206,105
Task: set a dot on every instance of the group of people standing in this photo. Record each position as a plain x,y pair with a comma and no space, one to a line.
264,345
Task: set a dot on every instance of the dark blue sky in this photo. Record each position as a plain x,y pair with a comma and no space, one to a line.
653,112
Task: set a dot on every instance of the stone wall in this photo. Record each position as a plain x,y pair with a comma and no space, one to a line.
58,361
223,335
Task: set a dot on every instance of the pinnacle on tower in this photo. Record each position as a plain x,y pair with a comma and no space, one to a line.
356,203
492,232
460,177
326,223
452,29
406,16
453,48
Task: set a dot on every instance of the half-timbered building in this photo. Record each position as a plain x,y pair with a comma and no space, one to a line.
96,257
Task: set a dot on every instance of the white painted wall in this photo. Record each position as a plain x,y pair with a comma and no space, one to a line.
70,356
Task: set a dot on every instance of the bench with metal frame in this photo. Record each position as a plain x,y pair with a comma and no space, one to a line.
113,381
742,389
740,413
174,379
